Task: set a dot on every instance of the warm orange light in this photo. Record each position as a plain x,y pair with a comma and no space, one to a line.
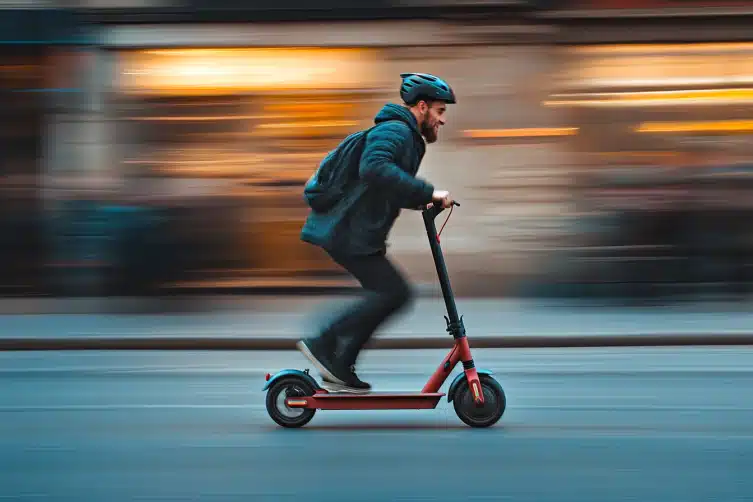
654,98
532,132
309,124
196,118
663,48
222,71
700,126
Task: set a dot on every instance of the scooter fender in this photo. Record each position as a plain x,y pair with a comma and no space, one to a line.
458,380
291,373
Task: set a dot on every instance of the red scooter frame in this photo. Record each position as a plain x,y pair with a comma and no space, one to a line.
303,393
428,398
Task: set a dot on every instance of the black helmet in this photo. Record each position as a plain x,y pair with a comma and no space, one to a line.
418,86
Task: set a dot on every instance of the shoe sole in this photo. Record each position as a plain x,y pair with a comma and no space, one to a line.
336,387
319,366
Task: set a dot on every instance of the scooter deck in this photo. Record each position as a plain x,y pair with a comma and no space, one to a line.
324,400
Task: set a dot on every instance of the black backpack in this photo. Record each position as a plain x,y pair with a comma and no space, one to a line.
337,172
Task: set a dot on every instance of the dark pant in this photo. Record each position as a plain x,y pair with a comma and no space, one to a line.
387,292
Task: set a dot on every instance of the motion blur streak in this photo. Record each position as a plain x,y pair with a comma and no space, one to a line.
174,161
155,149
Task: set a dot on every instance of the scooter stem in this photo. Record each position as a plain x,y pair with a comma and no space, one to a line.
454,321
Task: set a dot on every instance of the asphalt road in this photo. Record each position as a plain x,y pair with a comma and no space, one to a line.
596,425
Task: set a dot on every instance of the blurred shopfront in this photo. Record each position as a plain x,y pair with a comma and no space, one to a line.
222,140
666,167
200,138
38,53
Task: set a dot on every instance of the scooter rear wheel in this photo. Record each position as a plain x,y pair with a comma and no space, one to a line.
281,413
495,403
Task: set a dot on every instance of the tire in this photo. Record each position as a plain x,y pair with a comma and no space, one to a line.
495,403
284,416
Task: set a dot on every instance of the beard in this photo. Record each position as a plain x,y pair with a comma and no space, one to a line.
429,134
428,131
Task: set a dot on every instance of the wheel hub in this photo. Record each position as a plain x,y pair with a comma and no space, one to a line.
478,411
283,408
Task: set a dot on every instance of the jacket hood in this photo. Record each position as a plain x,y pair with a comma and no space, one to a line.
392,111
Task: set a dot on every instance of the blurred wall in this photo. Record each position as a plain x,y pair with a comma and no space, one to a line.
512,191
186,156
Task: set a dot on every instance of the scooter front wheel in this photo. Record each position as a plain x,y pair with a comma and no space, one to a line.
280,412
495,403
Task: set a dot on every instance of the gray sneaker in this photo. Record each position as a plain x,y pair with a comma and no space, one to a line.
320,358
350,383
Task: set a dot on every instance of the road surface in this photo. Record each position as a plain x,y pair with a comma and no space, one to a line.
592,425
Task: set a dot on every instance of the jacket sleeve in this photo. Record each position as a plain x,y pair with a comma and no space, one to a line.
379,165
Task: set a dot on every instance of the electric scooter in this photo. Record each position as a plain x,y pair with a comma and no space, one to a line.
293,396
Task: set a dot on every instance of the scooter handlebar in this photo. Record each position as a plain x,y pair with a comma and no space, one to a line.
435,209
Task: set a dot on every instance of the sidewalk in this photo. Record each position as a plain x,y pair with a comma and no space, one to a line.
275,323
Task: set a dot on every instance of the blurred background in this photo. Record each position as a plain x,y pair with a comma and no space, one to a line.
153,159
600,149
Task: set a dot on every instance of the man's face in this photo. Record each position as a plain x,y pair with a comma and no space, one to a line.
433,118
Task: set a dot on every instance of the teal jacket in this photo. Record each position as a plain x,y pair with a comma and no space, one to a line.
360,223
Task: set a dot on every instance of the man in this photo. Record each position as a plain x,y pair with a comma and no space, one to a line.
355,230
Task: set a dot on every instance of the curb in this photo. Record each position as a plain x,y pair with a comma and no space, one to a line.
392,343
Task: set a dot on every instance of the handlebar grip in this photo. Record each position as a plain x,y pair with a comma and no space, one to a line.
435,209
425,207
